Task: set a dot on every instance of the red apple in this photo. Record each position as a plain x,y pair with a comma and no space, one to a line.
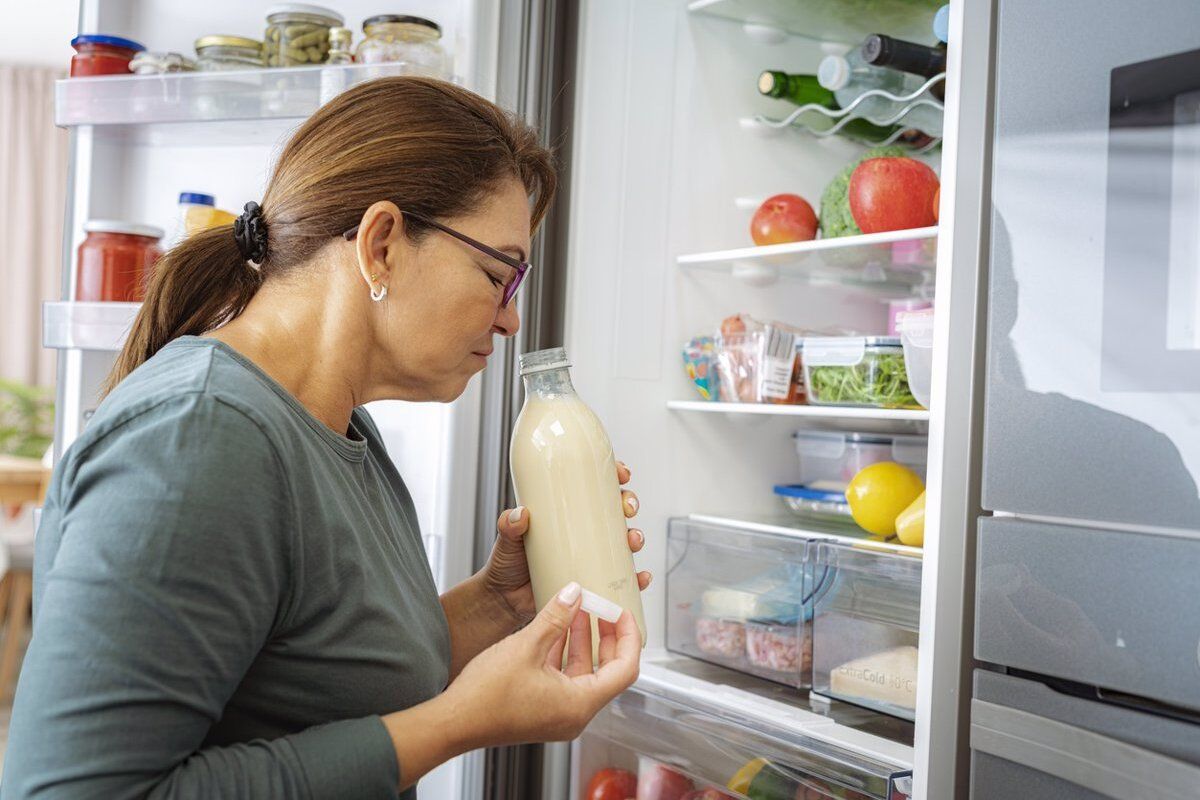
657,782
783,218
937,203
892,194
611,784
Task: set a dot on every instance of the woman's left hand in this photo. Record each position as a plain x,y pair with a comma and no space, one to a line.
507,571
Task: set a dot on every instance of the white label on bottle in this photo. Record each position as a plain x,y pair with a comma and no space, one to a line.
777,377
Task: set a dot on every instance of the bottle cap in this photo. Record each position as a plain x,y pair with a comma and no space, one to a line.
544,360
941,24
833,73
767,83
196,198
597,606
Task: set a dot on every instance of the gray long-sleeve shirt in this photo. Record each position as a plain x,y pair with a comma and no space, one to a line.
227,595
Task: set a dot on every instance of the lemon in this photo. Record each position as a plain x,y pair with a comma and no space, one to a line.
879,492
910,524
741,780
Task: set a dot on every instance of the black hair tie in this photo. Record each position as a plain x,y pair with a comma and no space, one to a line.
250,233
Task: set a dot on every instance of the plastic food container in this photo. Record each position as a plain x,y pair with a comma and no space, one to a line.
98,54
819,504
115,260
148,63
916,335
830,460
863,371
867,607
297,34
740,599
412,42
214,53
898,307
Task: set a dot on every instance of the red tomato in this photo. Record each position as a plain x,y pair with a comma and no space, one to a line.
658,782
783,218
892,194
611,784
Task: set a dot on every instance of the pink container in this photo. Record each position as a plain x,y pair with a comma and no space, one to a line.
897,307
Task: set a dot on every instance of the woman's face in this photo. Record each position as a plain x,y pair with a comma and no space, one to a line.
438,324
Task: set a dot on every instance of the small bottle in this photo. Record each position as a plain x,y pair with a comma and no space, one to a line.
805,90
340,50
880,50
566,476
849,77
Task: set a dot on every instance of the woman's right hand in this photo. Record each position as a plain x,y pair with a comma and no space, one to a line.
518,690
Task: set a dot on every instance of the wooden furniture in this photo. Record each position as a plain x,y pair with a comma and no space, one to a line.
22,480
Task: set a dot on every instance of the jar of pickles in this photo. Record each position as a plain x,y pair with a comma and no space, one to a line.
298,34
228,53
414,42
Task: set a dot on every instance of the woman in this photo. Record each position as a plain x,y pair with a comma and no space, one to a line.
232,599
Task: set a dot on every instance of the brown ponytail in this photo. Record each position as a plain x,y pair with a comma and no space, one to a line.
428,146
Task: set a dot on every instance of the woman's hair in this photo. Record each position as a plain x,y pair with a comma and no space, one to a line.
428,146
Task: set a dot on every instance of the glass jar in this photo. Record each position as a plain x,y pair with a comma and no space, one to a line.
115,261
298,34
98,54
148,63
216,53
341,49
413,42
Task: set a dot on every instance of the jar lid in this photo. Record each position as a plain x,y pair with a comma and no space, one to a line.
197,198
223,40
112,41
400,19
118,226
305,8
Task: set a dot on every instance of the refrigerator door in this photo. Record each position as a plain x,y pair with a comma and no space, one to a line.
1094,303
1030,741
1106,609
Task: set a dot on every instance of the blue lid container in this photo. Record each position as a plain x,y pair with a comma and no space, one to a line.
197,199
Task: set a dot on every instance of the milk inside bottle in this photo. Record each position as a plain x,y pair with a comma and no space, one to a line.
565,474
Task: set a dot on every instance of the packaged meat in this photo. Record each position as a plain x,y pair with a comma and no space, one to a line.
720,637
780,645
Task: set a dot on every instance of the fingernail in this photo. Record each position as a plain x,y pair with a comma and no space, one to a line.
626,466
641,539
514,516
569,594
633,504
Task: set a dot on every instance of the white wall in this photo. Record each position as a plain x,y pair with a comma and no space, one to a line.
39,33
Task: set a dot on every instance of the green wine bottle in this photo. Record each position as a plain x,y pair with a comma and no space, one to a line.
805,90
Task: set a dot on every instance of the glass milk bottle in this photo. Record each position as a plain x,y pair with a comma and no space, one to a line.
565,474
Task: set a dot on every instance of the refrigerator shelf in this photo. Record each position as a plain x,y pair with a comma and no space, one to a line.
873,420
888,262
790,526
709,730
770,21
253,106
87,326
822,122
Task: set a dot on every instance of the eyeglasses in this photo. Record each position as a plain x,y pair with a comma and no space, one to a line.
521,267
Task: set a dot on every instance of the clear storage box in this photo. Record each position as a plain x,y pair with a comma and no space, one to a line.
817,504
857,371
866,612
829,460
916,335
739,599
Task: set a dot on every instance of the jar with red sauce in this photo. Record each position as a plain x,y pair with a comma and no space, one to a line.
116,260
98,54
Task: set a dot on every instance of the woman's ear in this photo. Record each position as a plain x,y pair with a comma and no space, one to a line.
381,229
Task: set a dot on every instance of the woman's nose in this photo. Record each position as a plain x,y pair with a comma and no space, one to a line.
508,321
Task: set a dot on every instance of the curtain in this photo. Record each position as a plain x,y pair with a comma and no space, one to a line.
33,176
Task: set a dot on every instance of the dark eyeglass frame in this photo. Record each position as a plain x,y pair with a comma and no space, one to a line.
521,267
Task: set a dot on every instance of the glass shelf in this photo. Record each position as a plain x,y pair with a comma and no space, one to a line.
176,108
87,326
888,262
846,21
808,529
873,420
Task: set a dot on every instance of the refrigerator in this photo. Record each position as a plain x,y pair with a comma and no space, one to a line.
1089,648
667,149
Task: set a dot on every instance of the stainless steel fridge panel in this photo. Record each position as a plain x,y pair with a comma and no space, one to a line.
1106,609
1093,396
1032,742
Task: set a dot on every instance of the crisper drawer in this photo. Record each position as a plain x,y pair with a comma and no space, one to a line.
867,608
1032,742
739,599
1104,608
673,745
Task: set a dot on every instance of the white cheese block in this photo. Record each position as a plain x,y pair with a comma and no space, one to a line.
886,677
